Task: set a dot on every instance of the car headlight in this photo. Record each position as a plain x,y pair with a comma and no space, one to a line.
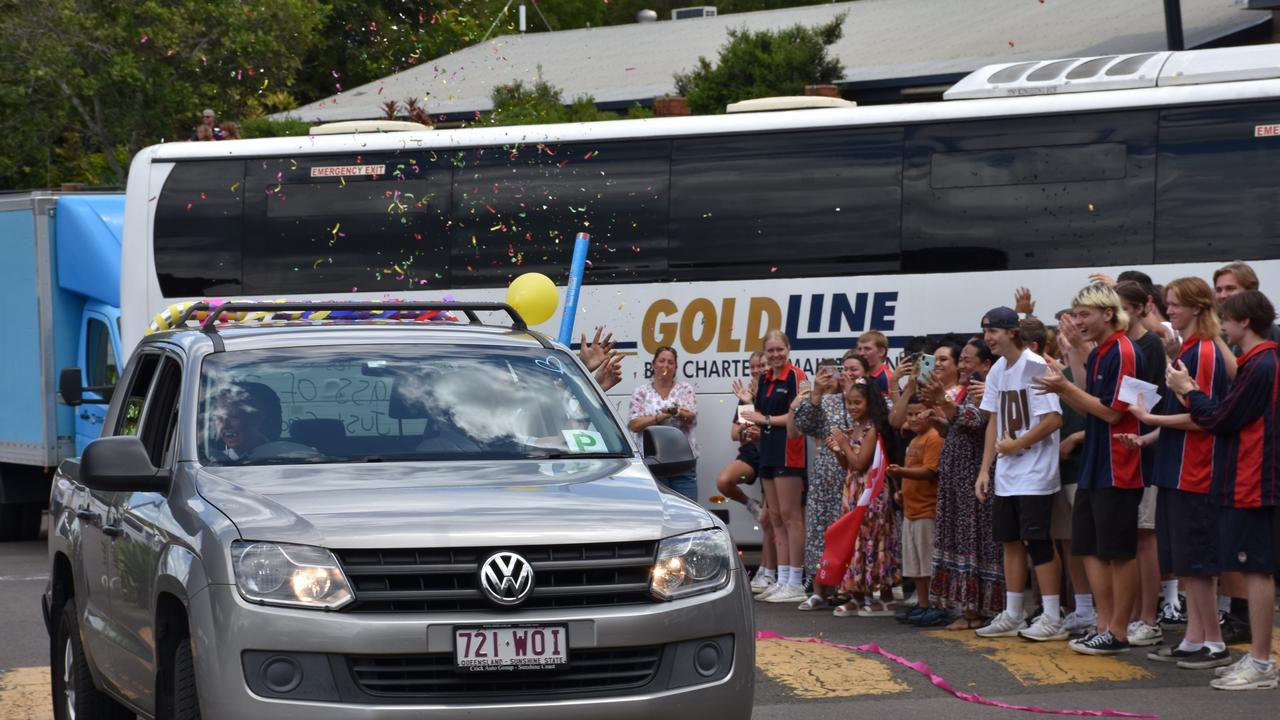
692,563
292,575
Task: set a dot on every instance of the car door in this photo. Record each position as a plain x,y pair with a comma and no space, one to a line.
138,547
99,368
97,532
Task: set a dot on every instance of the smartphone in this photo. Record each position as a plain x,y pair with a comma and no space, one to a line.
926,363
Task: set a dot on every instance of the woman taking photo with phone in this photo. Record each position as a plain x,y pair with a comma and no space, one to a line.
667,401
822,412
782,465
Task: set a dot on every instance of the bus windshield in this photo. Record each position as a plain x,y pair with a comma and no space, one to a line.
399,403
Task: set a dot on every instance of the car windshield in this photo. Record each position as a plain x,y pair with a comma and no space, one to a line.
376,403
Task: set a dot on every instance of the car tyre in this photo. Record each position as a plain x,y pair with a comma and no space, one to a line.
186,702
74,695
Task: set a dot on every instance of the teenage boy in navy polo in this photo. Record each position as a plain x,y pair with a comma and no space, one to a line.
1245,474
1105,517
873,346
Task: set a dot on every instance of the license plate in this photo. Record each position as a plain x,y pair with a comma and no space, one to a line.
520,647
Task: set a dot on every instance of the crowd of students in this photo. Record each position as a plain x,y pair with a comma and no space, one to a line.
1108,466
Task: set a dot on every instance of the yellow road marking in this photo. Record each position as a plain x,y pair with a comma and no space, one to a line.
1047,663
819,671
24,693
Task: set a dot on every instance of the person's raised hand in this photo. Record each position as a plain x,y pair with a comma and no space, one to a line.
1102,279
743,391
609,373
1178,379
595,353
1022,301
825,382
1053,381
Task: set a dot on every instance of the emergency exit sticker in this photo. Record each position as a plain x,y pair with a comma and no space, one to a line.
1266,131
583,441
348,170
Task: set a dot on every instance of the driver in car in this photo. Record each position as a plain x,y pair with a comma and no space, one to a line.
248,417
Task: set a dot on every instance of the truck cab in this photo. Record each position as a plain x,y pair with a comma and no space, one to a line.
63,251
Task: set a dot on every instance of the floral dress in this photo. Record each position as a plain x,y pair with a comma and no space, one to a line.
968,566
825,502
876,563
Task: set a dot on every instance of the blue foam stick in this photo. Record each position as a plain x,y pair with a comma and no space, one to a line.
576,268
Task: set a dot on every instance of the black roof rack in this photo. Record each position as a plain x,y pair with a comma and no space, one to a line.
468,309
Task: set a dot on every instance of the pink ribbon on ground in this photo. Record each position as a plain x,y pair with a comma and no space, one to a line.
938,681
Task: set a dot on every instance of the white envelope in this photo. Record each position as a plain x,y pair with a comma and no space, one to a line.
1131,388
1033,371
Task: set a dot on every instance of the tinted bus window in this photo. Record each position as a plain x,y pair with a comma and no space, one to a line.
1218,184
198,229
517,209
1029,193
785,204
346,223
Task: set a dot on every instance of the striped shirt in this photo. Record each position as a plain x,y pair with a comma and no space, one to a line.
1108,462
1245,455
1184,460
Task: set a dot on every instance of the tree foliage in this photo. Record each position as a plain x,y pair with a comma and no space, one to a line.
540,102
763,64
103,78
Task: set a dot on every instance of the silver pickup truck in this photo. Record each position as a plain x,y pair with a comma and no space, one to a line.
396,511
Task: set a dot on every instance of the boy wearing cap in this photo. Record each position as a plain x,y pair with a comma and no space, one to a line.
1109,489
1024,435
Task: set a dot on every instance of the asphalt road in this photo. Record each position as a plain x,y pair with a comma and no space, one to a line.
795,680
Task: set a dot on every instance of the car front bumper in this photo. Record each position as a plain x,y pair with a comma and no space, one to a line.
235,641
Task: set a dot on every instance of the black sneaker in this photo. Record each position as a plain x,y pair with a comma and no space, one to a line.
1102,644
1205,658
1234,630
1173,654
1171,615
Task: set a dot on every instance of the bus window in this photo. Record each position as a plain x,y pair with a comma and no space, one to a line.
198,229
1039,192
517,208
342,223
1218,184
786,204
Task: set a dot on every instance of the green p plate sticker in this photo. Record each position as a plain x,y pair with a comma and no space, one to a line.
583,441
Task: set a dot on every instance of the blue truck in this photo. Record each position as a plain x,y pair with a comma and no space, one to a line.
60,290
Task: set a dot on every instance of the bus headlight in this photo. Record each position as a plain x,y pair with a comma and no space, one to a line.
289,575
692,563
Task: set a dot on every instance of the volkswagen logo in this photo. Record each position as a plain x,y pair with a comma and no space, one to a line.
506,578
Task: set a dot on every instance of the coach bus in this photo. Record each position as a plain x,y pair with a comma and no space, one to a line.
707,231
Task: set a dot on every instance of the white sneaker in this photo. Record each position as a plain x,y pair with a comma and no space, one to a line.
789,593
1044,629
762,581
1074,622
765,594
1233,668
755,508
1144,635
1002,625
1249,677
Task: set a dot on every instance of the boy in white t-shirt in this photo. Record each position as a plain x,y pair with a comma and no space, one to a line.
1023,432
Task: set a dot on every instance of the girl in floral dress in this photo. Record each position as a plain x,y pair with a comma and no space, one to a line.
875,567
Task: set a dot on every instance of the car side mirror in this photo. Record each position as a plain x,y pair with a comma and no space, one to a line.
120,464
666,452
72,393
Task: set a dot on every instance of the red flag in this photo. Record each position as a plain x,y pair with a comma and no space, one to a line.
842,537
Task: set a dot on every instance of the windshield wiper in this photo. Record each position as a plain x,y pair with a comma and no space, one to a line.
565,455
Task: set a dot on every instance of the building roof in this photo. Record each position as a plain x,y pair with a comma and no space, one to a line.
884,41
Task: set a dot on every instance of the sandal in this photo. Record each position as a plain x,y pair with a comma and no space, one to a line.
815,602
849,609
877,608
965,623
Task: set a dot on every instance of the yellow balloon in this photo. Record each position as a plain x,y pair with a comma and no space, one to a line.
533,295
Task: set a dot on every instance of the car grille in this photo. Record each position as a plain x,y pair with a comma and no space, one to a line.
447,580
434,676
